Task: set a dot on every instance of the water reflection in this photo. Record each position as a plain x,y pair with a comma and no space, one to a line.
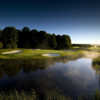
96,66
50,76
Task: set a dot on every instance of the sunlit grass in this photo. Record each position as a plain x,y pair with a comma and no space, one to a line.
38,54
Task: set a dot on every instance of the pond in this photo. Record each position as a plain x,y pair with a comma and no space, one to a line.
50,77
51,55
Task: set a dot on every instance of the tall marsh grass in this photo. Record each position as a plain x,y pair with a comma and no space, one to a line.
15,95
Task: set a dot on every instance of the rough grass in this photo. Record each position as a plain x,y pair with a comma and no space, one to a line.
97,60
96,63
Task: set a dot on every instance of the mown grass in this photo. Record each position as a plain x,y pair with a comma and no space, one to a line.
37,54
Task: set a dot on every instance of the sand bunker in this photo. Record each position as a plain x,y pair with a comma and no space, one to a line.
51,55
12,52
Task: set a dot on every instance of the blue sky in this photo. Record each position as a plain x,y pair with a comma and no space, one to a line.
78,18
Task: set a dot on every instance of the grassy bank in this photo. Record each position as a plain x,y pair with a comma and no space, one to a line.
96,63
38,54
97,60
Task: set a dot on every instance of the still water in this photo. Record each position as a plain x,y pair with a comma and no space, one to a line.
74,77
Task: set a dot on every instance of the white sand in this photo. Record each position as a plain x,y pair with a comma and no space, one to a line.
51,54
12,52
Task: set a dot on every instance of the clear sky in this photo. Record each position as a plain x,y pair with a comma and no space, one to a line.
78,18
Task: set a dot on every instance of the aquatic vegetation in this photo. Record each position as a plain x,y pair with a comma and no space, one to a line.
22,95
96,63
15,95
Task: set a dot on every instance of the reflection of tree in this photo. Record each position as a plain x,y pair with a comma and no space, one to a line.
1,73
12,67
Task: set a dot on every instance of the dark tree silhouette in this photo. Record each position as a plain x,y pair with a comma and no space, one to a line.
10,37
52,41
42,39
26,38
63,42
34,38
66,41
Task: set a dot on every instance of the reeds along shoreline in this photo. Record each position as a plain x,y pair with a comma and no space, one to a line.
23,95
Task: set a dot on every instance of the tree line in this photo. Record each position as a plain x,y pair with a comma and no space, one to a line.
10,37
